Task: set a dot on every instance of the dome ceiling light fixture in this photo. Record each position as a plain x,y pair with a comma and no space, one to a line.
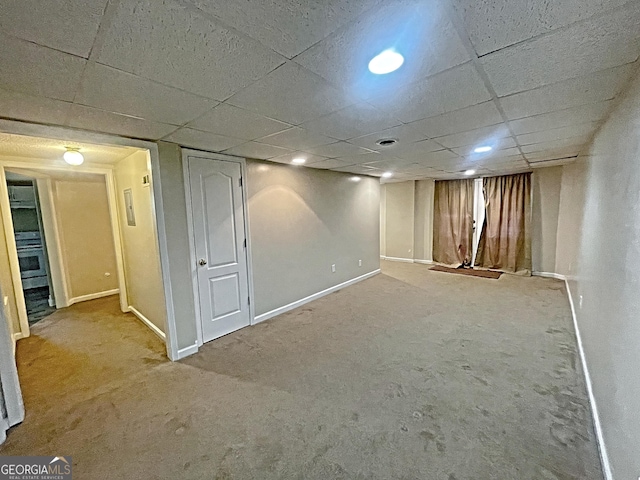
73,157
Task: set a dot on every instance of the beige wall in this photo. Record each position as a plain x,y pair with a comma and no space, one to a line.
400,221
545,198
6,285
174,215
302,221
423,235
140,243
407,219
607,277
86,236
570,215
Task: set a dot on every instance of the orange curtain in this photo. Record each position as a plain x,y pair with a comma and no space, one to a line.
453,222
505,241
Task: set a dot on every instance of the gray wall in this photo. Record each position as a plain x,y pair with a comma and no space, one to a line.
544,217
303,220
607,285
399,219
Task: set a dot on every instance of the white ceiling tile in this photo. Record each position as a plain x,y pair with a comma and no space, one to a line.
445,92
420,30
352,121
476,116
554,153
577,142
477,137
585,113
33,109
497,144
291,94
188,137
360,159
596,87
583,129
338,149
404,134
113,90
361,169
236,122
598,44
66,25
288,158
553,163
35,70
417,150
329,164
261,151
96,120
163,41
297,138
495,24
288,27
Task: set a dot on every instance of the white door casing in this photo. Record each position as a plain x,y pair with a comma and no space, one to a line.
218,222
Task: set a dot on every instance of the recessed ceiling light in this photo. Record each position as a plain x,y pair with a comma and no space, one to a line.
386,62
469,172
483,149
386,142
355,179
387,175
73,157
299,160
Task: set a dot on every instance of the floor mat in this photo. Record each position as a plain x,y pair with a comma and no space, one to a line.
467,271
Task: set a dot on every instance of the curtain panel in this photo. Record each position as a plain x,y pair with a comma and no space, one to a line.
453,222
505,241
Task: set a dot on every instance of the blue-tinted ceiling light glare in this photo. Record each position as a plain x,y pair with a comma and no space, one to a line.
483,149
386,62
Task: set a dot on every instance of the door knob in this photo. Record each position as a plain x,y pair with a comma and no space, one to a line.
202,262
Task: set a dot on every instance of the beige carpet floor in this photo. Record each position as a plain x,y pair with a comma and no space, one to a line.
412,374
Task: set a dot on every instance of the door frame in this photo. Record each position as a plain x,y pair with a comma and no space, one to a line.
69,134
186,153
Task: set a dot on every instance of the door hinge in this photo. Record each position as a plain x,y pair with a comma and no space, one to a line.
245,243
240,181
248,300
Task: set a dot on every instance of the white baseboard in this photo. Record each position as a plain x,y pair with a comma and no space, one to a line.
557,276
424,262
148,323
186,351
315,296
397,259
92,296
604,458
14,339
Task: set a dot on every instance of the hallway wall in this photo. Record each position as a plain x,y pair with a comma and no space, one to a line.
84,223
145,291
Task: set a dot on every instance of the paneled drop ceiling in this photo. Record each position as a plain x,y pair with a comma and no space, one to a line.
279,79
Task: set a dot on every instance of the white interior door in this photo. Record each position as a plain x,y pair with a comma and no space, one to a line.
220,245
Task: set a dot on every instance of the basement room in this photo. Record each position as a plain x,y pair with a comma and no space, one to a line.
320,240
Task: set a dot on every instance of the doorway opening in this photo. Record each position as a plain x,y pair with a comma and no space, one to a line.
78,233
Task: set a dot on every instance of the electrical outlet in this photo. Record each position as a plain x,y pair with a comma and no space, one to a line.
359,263
333,268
